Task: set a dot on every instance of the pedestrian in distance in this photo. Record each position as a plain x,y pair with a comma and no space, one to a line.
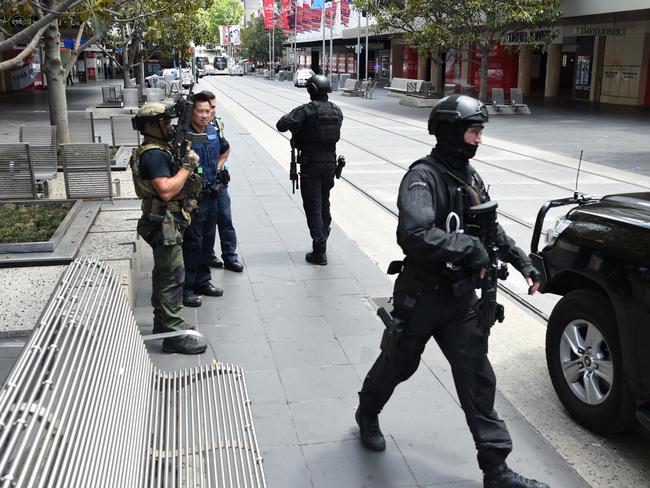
434,294
200,236
69,81
227,234
315,129
169,190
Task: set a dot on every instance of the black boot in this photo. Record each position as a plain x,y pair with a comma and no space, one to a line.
501,476
185,345
317,256
371,436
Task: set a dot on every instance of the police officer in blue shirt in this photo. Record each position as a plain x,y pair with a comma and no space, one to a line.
200,236
227,234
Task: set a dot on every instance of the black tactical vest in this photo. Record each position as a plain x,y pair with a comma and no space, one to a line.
322,131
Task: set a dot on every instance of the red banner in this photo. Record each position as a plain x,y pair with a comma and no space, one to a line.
268,14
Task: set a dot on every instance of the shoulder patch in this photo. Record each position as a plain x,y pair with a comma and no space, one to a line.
417,183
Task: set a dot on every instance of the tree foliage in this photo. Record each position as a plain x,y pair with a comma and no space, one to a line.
255,41
218,13
432,25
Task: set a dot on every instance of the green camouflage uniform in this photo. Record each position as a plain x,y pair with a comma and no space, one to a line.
162,225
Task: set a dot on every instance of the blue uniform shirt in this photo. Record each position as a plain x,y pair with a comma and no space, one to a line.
209,152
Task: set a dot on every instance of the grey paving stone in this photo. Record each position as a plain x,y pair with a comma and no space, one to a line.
303,328
264,386
349,465
334,287
280,290
314,272
273,425
319,383
273,273
292,231
291,307
298,249
286,467
534,458
285,215
446,456
432,410
250,356
6,364
250,330
215,310
325,420
361,350
296,353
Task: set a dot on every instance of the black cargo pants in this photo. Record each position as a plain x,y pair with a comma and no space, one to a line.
452,322
316,181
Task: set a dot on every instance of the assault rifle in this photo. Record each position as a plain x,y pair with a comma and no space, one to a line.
489,310
340,164
293,169
183,140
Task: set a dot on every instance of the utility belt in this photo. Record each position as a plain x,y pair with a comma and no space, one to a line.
158,207
415,279
320,156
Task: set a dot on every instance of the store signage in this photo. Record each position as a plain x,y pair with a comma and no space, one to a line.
529,37
590,30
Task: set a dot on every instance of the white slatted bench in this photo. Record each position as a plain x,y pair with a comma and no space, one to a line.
123,132
84,406
399,86
351,87
16,173
42,145
516,99
498,101
87,171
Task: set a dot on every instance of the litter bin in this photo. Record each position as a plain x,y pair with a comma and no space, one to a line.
334,81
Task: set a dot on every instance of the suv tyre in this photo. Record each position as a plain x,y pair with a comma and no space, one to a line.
583,357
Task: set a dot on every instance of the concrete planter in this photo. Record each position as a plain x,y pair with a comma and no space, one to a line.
44,246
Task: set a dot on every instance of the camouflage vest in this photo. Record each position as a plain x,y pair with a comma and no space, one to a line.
185,201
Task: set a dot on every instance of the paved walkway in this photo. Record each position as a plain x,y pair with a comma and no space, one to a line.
306,336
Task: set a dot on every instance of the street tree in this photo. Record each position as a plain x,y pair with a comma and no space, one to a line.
434,25
218,13
255,41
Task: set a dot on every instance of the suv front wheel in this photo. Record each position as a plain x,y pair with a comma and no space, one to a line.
583,356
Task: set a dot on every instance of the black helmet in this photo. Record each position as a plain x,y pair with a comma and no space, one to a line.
318,85
457,108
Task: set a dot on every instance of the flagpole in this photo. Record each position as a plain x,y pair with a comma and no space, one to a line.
367,44
322,26
358,43
331,36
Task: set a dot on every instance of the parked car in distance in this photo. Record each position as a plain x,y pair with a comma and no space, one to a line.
301,76
152,80
237,70
598,336
186,79
207,70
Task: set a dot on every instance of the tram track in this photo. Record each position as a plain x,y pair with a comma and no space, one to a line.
512,294
427,143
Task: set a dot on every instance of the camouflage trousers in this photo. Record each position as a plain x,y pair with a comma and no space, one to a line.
168,278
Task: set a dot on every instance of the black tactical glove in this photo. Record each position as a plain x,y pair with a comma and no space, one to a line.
223,176
530,271
479,257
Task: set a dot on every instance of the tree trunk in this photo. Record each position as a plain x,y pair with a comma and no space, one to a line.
56,96
485,54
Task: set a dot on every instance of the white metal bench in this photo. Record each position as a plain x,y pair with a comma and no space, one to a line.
516,99
498,101
351,87
16,173
123,132
82,127
42,145
84,406
87,171
399,86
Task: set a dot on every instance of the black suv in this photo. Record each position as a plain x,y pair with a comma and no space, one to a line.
598,337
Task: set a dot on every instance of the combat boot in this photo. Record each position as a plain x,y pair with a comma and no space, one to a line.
371,436
317,256
187,344
501,476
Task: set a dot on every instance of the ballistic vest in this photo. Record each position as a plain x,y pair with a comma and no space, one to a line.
322,131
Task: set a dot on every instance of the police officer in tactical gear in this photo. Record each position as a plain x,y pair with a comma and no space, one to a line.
315,129
169,189
434,293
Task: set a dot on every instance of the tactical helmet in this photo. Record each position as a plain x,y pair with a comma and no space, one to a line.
457,108
149,113
318,85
